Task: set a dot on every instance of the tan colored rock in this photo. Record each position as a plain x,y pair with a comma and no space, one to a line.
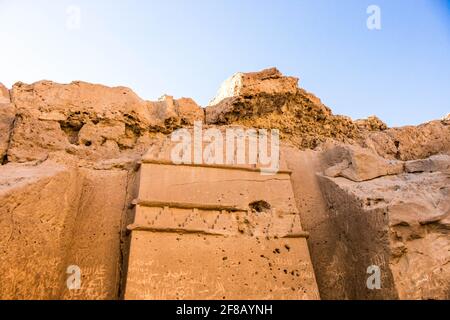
248,87
71,155
169,114
33,140
331,280
227,236
78,102
189,111
98,134
300,116
446,119
354,225
411,143
38,208
4,94
53,217
404,220
90,121
268,81
51,117
98,245
358,164
372,123
437,163
7,117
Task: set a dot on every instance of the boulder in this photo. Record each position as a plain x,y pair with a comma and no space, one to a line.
268,81
437,163
358,164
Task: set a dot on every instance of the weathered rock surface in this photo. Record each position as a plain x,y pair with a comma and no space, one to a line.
7,116
437,163
367,194
411,143
391,221
358,164
99,244
37,215
372,123
228,237
269,81
269,100
315,219
169,113
90,121
80,119
404,219
4,94
53,217
383,213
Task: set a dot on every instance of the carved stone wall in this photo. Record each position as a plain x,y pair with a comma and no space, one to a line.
208,232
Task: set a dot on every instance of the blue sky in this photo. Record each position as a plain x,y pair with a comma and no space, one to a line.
187,48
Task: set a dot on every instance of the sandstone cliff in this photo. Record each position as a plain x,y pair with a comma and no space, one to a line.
367,194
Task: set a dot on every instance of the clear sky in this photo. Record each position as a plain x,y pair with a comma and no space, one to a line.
188,47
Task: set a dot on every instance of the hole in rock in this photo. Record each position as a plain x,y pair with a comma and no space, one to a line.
260,206
71,129
4,160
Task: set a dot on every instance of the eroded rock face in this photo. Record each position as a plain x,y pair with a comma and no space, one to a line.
4,94
346,229
171,114
437,163
38,209
56,218
411,143
358,164
372,123
269,81
367,194
90,121
399,216
391,221
228,237
97,134
270,100
390,216
7,117
82,119
98,246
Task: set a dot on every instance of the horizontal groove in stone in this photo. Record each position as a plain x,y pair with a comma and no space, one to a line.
181,205
135,227
212,166
303,234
